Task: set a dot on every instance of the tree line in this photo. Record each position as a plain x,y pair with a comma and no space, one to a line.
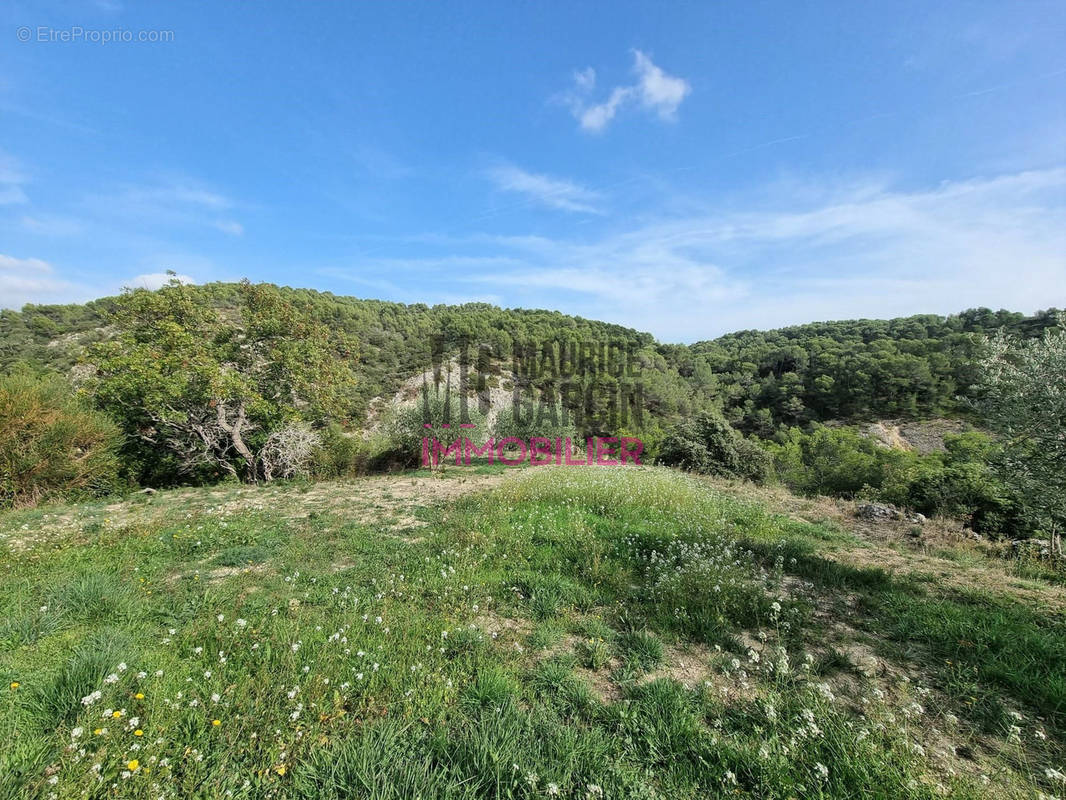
255,381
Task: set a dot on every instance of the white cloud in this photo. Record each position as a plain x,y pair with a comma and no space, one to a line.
24,265
175,201
585,79
543,189
804,252
658,91
52,225
654,91
30,280
155,280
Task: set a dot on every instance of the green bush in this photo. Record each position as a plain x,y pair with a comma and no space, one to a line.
547,422
959,482
833,461
405,428
51,443
343,454
710,445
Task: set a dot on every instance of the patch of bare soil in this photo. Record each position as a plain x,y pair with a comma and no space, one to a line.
388,501
923,436
500,627
600,684
691,665
220,573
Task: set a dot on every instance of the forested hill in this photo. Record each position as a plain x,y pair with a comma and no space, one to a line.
762,380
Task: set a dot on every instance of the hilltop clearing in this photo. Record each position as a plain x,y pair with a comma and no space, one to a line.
548,632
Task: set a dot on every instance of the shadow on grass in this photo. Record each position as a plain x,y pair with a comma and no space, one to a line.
980,647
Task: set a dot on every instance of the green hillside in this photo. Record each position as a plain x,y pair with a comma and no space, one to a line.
857,369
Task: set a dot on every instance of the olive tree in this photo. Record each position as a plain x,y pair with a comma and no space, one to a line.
1021,395
217,387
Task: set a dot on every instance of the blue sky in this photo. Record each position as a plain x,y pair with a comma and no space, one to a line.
687,169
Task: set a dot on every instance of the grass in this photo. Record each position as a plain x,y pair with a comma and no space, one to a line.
578,633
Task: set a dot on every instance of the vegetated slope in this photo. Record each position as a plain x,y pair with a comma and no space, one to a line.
859,369
554,632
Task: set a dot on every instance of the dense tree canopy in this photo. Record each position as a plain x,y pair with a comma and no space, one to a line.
762,381
216,388
252,380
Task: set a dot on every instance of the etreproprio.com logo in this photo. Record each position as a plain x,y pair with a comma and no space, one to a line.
592,386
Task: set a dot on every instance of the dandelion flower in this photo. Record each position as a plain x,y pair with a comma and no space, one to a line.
133,765
15,685
216,722
139,696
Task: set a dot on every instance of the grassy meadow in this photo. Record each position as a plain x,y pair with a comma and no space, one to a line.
549,632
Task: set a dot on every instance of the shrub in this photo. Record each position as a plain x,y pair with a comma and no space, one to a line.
549,422
710,445
833,461
959,483
1020,397
289,451
51,443
405,428
338,453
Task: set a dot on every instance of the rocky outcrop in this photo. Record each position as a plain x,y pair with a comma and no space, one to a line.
882,512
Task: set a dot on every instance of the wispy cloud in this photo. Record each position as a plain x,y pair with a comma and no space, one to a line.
655,91
24,265
174,201
806,250
545,190
230,227
52,225
12,179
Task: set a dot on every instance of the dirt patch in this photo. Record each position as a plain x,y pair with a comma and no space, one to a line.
389,502
690,665
600,684
925,436
221,573
498,626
